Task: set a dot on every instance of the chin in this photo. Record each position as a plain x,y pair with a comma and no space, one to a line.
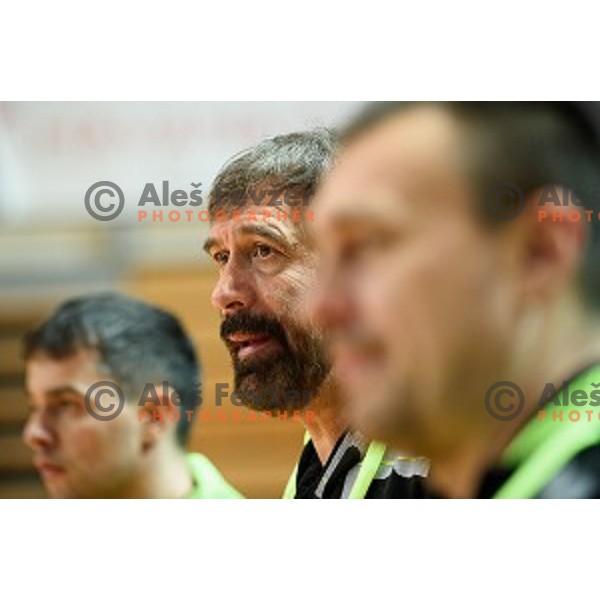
370,424
59,494
377,415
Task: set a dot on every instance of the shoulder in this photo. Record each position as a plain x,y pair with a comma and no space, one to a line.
208,480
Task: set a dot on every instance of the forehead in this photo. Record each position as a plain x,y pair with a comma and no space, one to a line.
281,223
44,373
412,162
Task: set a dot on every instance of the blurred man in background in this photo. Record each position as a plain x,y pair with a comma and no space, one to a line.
81,449
260,204
459,286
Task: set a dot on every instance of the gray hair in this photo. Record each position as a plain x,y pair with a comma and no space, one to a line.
291,162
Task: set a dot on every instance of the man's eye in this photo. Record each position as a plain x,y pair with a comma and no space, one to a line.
263,251
356,247
221,257
360,247
68,404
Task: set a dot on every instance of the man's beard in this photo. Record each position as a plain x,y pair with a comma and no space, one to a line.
288,378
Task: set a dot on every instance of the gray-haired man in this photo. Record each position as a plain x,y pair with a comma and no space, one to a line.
259,205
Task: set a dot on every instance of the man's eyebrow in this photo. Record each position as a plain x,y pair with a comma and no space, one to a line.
209,244
270,233
353,216
63,389
53,393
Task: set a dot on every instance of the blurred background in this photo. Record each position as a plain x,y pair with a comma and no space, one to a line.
52,249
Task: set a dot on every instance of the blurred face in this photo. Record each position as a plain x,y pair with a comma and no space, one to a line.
265,271
416,295
77,455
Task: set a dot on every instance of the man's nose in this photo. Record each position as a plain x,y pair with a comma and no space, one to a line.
235,289
330,301
38,434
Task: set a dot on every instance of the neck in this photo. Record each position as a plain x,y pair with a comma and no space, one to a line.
326,424
566,343
164,474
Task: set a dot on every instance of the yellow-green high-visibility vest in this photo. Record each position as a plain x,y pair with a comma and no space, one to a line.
366,473
208,481
545,446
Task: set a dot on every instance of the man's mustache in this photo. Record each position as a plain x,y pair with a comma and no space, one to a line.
252,324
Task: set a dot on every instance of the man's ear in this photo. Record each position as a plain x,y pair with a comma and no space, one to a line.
158,413
553,236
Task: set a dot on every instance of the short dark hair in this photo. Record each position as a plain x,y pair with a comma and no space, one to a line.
137,343
293,161
530,144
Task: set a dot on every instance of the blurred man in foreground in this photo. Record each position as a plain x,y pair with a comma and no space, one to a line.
260,204
460,290
101,445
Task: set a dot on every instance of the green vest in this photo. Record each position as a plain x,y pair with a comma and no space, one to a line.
545,446
208,482
368,469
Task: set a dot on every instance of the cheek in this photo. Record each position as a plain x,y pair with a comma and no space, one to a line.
394,291
428,290
83,441
96,442
291,290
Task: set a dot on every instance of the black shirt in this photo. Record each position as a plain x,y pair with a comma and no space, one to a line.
396,477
